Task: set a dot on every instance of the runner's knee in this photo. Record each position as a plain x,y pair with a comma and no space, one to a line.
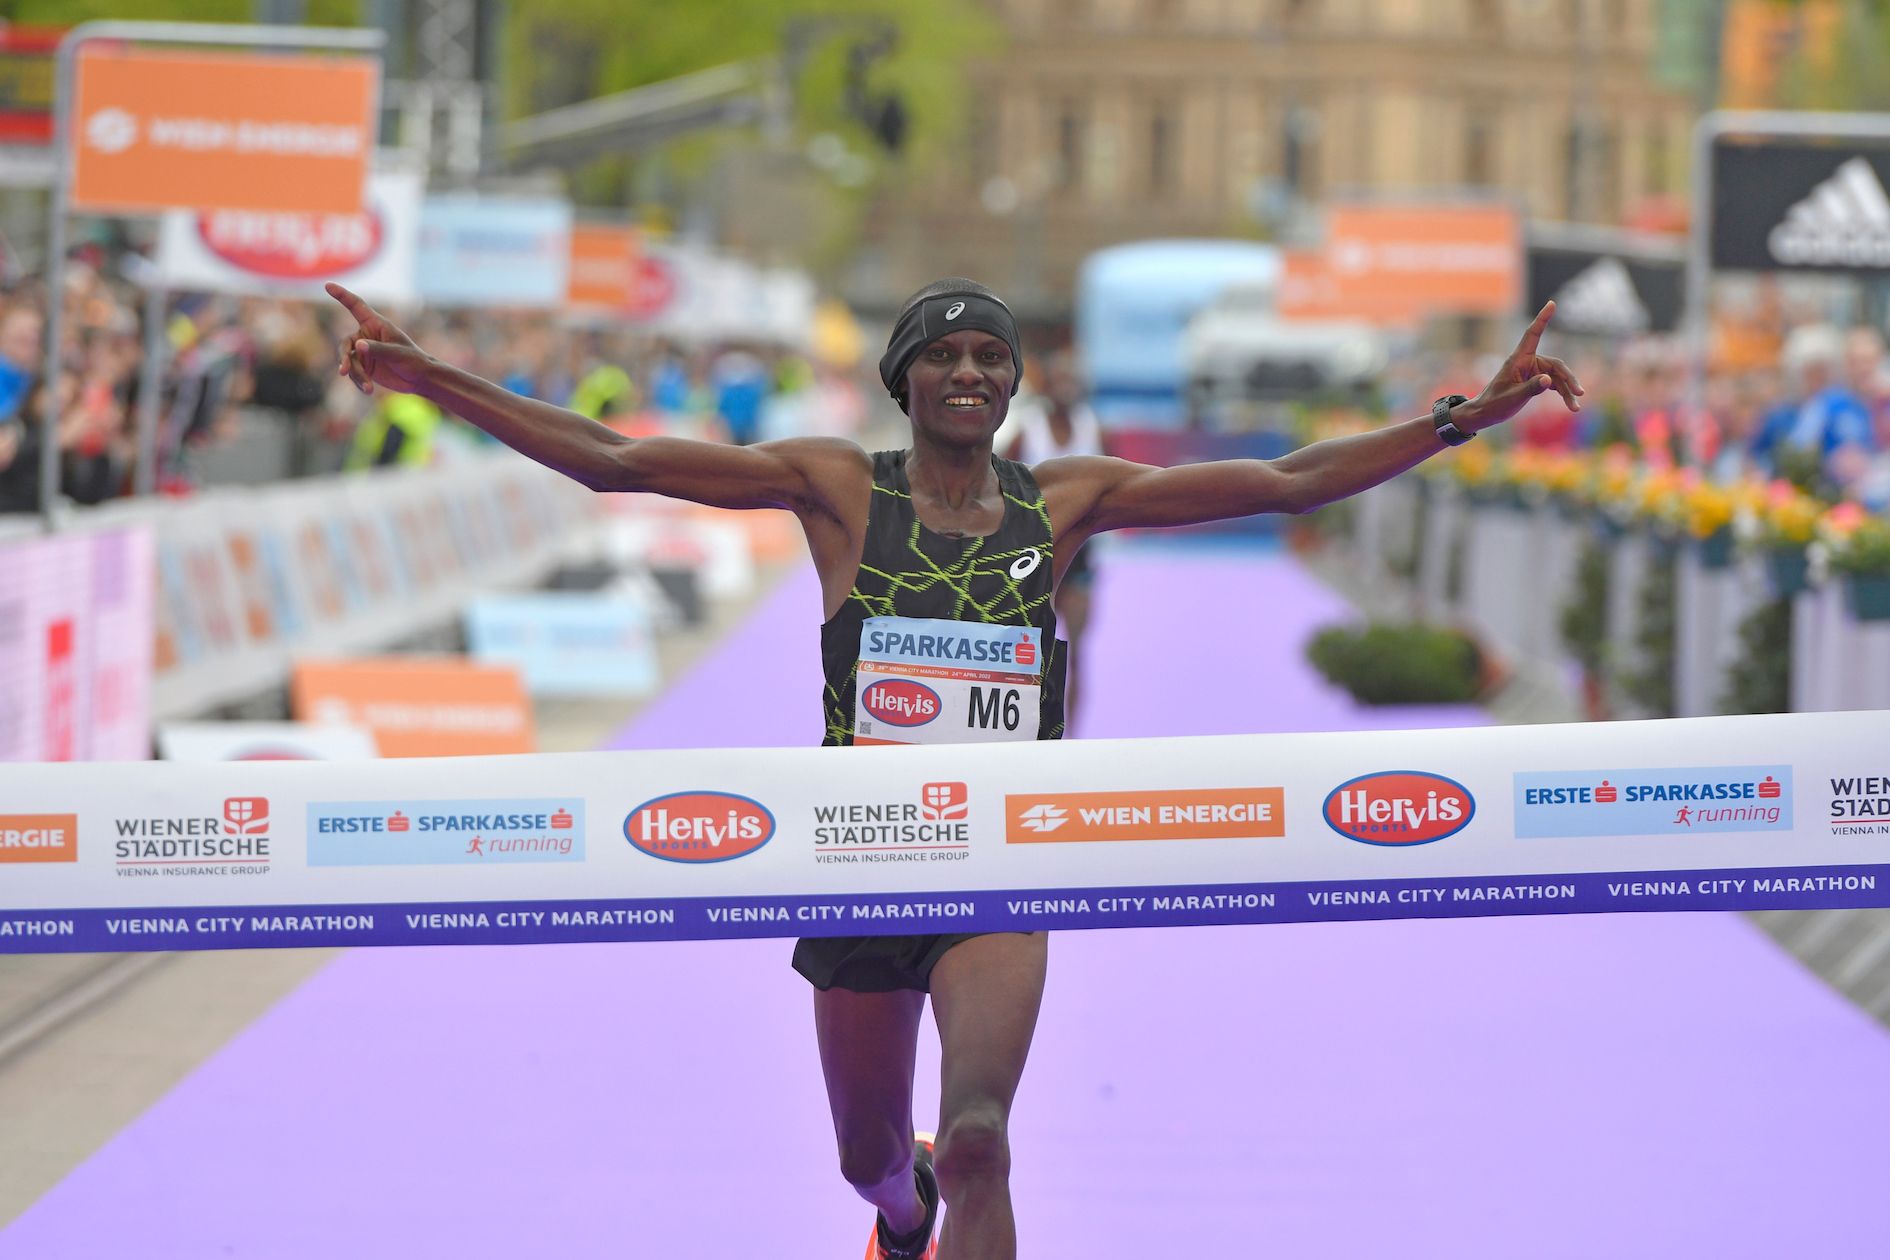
974,1146
873,1159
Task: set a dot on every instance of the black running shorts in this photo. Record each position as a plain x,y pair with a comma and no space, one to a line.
872,964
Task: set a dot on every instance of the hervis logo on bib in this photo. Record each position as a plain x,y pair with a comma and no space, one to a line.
902,702
1399,808
699,826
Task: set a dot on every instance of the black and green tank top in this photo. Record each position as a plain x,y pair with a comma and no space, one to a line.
906,570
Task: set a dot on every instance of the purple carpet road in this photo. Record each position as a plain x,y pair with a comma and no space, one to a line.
1619,1086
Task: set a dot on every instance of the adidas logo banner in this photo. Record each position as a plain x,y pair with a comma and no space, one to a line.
1790,206
1606,294
1845,221
1601,299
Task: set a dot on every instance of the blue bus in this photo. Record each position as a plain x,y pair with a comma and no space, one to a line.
1133,304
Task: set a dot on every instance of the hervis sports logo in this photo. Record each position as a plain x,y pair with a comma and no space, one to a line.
1399,808
902,702
699,826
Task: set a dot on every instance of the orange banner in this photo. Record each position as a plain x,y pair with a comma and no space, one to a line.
1186,814
221,131
39,837
604,267
419,706
1405,263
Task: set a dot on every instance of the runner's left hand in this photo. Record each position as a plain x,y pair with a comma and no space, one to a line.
1523,375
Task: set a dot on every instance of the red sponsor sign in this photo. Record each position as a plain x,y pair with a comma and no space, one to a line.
62,692
27,74
652,289
699,827
901,702
293,246
1399,808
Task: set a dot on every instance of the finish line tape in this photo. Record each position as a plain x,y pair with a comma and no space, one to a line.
1735,813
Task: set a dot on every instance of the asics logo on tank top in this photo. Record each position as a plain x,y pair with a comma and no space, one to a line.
1843,221
954,310
1025,565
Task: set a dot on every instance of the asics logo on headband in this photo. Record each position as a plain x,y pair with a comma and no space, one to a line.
955,310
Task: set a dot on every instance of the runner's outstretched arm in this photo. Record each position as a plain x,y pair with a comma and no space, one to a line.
1096,493
796,474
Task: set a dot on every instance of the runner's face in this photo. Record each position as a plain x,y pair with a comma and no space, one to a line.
959,387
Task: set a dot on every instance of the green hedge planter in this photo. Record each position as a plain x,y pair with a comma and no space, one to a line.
1399,663
1867,595
1715,551
1788,569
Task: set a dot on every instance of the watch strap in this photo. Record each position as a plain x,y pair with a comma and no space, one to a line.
1447,431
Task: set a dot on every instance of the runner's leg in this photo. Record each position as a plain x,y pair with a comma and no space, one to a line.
985,995
867,1044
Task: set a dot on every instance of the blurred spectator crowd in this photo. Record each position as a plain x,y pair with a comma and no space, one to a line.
1790,395
248,390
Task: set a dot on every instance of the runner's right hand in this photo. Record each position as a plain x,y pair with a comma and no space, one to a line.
378,353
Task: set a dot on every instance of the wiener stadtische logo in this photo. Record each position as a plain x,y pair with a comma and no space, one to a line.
699,826
1860,805
235,842
1399,808
1657,802
931,826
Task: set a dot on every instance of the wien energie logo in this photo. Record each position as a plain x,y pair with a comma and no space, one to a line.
699,826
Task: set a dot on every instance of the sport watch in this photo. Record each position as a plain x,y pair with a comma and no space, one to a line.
1447,431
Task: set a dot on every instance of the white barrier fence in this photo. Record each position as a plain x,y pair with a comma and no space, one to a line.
1508,572
1772,812
249,579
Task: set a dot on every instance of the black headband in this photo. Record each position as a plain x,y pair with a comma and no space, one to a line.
935,317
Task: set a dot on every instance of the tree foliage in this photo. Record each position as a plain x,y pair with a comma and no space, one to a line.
562,51
72,12
1842,58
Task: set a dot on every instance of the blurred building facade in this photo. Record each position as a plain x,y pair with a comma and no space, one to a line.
1114,120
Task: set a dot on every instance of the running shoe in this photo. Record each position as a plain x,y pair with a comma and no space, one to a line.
880,1246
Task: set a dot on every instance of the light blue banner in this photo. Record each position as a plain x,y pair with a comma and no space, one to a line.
494,251
966,645
1667,802
445,832
567,643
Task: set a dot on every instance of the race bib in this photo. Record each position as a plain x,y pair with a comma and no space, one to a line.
946,682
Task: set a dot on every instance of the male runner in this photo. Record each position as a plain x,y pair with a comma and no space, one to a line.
942,533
